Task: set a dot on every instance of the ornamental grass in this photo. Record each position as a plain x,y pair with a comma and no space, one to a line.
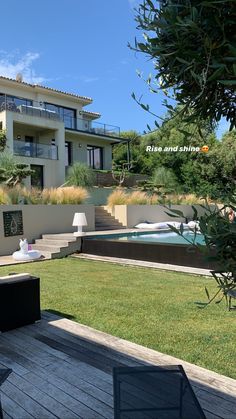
117,197
138,198
67,195
3,196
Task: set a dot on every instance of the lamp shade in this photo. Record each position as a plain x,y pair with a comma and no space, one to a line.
79,219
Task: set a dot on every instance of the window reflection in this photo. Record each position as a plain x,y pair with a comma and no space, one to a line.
66,114
94,157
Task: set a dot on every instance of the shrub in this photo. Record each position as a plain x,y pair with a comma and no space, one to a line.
118,197
73,195
49,196
80,175
165,178
12,172
3,196
178,199
67,195
14,195
138,198
3,139
154,199
191,199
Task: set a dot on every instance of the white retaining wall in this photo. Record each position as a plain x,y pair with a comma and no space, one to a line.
43,219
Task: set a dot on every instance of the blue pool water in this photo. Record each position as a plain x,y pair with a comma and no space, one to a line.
157,237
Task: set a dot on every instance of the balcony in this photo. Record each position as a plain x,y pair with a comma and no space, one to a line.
42,151
86,125
36,110
39,109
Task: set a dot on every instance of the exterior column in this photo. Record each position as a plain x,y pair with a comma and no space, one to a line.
60,143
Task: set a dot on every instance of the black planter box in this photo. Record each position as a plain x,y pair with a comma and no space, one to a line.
19,301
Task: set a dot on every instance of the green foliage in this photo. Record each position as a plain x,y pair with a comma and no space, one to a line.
120,152
166,178
3,139
220,238
214,174
211,174
184,165
192,45
12,173
80,175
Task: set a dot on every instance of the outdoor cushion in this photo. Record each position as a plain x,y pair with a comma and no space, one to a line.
162,225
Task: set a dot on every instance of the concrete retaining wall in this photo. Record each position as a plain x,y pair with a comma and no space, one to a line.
130,215
43,219
106,179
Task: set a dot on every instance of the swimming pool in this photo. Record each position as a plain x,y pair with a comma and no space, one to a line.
155,237
162,247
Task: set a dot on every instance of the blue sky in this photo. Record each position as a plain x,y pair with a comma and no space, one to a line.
80,46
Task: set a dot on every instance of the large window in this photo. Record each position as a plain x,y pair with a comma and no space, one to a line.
94,157
68,115
12,102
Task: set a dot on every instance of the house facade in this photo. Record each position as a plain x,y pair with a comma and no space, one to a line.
49,130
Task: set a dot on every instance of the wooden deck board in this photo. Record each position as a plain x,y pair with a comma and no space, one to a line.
63,369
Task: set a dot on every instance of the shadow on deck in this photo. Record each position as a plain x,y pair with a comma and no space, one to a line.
62,369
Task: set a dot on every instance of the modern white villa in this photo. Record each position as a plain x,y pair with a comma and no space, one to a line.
50,130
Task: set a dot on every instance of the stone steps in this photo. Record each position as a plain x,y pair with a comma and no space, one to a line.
54,246
105,221
48,242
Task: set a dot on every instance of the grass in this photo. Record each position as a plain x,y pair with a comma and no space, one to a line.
151,307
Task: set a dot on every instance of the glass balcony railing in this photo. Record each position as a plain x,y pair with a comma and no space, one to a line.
21,106
40,109
43,151
86,125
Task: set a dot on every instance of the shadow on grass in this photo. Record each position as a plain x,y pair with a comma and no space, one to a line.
60,314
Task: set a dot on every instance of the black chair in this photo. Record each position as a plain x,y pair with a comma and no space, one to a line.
154,393
19,301
4,372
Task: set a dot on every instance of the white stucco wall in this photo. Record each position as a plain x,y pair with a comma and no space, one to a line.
130,215
44,130
43,219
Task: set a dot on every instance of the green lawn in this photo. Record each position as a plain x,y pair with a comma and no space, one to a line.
147,306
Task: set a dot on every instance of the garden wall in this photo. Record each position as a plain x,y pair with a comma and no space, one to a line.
43,219
106,179
130,215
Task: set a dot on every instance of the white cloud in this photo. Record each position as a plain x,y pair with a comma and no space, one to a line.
12,64
88,79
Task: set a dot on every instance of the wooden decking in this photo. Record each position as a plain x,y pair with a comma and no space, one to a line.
62,369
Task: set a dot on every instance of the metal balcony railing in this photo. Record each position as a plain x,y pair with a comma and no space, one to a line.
43,151
40,109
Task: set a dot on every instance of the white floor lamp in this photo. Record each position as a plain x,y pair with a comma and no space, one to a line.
79,221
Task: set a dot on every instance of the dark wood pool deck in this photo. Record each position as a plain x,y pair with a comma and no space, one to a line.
62,369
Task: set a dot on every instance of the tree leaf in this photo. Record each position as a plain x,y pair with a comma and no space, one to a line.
228,82
216,74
